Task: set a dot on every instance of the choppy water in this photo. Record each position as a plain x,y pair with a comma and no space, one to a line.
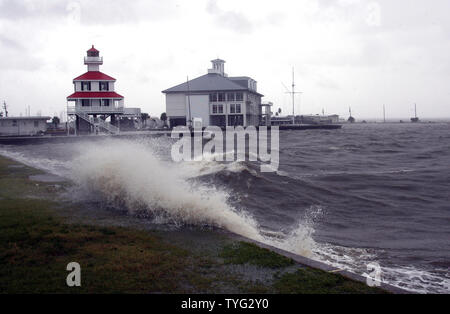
375,192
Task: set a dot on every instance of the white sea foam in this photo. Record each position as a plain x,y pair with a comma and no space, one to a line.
51,165
131,173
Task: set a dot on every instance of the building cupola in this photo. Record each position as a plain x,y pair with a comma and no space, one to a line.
93,60
218,67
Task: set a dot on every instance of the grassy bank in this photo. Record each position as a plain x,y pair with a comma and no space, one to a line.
38,239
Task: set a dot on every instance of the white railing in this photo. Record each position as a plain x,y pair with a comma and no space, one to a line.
95,109
93,59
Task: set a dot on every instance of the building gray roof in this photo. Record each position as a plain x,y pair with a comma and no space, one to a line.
26,118
208,83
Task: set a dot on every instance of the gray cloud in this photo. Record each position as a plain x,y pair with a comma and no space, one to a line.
88,12
8,43
327,83
17,10
14,55
231,20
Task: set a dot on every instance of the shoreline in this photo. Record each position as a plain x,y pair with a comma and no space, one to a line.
199,254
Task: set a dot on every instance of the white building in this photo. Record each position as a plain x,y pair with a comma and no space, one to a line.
95,100
23,126
216,99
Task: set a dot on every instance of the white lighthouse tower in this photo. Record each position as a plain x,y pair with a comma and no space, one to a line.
94,100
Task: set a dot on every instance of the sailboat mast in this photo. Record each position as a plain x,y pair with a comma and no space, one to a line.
415,110
5,108
384,113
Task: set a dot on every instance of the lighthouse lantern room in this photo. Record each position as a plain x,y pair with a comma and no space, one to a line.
94,106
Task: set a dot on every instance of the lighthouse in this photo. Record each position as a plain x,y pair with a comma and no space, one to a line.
94,106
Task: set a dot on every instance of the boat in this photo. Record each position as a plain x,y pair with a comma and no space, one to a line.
415,119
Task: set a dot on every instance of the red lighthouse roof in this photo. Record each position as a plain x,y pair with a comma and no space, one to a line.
94,76
96,95
92,49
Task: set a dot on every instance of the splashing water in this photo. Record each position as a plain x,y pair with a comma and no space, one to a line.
130,175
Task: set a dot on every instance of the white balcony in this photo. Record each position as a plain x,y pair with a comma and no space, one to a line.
95,109
93,60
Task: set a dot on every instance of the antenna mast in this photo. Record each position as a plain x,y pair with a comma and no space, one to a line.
293,92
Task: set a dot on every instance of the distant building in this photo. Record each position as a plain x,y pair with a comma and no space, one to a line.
279,120
215,99
305,119
317,119
20,126
95,100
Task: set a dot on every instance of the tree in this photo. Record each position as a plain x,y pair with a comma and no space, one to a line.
55,121
144,116
164,118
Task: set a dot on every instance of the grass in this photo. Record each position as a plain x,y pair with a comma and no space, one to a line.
36,244
249,253
315,281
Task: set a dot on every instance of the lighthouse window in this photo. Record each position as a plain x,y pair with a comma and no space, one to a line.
239,97
104,86
232,108
238,108
214,108
105,102
85,102
213,97
230,97
221,97
85,86
220,108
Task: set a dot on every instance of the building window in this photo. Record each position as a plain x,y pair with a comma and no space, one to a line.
231,97
239,96
220,108
213,97
232,108
238,108
221,97
14,122
105,102
214,109
104,86
85,86
85,103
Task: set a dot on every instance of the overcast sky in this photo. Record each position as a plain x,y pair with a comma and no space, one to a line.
354,53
